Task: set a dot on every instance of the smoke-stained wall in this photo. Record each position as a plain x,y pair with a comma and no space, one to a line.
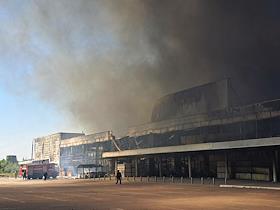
198,100
48,147
85,151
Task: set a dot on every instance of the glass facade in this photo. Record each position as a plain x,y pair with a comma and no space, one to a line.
73,157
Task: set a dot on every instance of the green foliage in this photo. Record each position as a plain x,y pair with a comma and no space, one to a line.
7,167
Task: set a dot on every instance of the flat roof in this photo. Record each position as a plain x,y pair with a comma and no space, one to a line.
87,139
248,143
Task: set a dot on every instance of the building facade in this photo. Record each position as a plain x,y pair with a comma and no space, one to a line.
48,147
83,154
11,158
201,132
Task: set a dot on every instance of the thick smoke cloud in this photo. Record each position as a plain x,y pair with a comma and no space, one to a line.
101,67
205,40
106,62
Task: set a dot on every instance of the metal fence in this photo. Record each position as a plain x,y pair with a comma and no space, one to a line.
171,179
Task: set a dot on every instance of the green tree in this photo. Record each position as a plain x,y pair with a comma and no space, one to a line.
7,167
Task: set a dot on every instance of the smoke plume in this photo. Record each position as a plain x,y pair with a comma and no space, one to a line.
106,62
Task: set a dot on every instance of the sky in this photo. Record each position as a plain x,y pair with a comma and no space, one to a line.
24,115
45,50
59,70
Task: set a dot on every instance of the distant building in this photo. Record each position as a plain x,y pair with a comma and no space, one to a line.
11,158
48,147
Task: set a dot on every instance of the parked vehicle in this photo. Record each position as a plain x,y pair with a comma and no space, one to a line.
90,175
37,169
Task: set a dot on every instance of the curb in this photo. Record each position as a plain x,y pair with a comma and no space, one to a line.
249,187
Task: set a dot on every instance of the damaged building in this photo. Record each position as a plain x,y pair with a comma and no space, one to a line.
203,132
48,147
74,153
199,132
83,154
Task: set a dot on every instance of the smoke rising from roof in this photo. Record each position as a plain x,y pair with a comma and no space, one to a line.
106,62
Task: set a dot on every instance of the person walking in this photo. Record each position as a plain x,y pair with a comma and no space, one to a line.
119,177
45,176
24,175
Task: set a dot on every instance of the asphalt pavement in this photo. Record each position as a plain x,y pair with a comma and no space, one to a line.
94,195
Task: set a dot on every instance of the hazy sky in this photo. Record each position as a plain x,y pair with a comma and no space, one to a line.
24,115
56,58
62,65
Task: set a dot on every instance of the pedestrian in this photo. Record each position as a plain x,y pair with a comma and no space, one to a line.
45,175
24,175
119,177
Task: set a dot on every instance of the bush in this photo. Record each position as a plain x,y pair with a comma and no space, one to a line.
7,167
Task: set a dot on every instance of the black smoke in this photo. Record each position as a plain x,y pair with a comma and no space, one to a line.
210,40
108,61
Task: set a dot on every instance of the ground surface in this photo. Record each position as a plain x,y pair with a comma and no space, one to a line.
95,195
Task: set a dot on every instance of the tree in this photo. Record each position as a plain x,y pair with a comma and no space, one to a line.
7,167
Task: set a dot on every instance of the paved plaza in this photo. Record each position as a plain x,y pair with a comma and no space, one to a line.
95,195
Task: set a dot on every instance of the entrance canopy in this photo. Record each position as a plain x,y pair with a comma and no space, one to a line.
238,144
89,166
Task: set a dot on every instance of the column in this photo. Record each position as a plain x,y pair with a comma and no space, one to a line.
274,165
160,170
136,166
189,166
226,166
116,166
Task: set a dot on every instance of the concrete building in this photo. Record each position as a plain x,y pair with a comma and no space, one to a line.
82,154
203,132
48,147
11,158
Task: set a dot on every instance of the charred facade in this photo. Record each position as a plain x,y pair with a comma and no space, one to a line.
83,154
74,153
199,132
48,147
203,132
